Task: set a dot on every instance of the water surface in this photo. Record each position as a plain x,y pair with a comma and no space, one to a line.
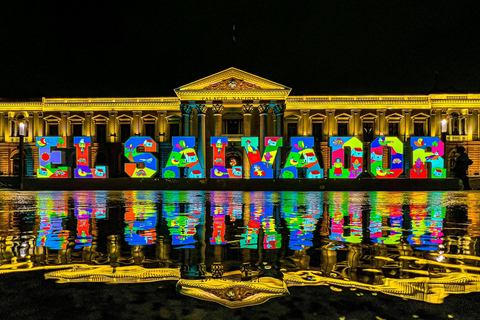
419,246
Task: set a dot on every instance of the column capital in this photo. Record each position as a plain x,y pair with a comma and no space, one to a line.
112,113
65,113
201,109
263,108
247,108
279,109
186,109
217,108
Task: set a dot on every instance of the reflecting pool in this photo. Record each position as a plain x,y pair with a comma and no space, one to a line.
244,248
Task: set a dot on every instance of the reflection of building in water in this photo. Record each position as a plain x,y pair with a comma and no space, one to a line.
410,262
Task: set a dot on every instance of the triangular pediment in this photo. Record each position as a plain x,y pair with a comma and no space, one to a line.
232,81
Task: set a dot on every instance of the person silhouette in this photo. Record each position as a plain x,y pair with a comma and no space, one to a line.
461,166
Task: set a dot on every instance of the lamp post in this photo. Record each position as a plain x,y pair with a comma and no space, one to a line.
444,130
21,134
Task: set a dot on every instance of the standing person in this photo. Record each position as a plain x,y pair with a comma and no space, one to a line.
461,166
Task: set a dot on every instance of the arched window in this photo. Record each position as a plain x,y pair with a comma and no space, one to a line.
233,159
15,163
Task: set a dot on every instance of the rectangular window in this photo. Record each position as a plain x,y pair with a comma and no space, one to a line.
342,129
393,129
174,130
150,130
317,129
292,130
418,129
234,126
124,132
101,133
367,131
77,130
53,130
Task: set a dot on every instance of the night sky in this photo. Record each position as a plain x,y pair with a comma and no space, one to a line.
50,49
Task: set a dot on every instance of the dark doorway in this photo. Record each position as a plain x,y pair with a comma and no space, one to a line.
16,163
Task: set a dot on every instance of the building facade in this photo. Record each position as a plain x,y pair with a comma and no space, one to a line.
234,103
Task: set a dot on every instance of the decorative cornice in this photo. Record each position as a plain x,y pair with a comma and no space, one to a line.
228,74
232,84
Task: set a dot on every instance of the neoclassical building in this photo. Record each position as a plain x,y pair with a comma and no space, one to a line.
235,103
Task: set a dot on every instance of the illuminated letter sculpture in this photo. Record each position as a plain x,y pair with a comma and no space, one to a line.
376,157
219,171
183,156
302,156
148,166
421,157
82,145
48,158
262,167
338,169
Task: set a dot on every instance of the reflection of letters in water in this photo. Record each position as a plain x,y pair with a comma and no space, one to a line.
230,254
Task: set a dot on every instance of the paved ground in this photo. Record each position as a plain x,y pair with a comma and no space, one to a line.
28,296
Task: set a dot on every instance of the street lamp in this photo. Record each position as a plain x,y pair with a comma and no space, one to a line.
444,130
21,134
444,125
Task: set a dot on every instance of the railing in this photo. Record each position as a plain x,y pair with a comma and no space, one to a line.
457,138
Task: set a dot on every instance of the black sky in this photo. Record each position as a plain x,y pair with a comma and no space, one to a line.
52,49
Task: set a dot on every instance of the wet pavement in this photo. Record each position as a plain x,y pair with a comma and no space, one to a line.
196,254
